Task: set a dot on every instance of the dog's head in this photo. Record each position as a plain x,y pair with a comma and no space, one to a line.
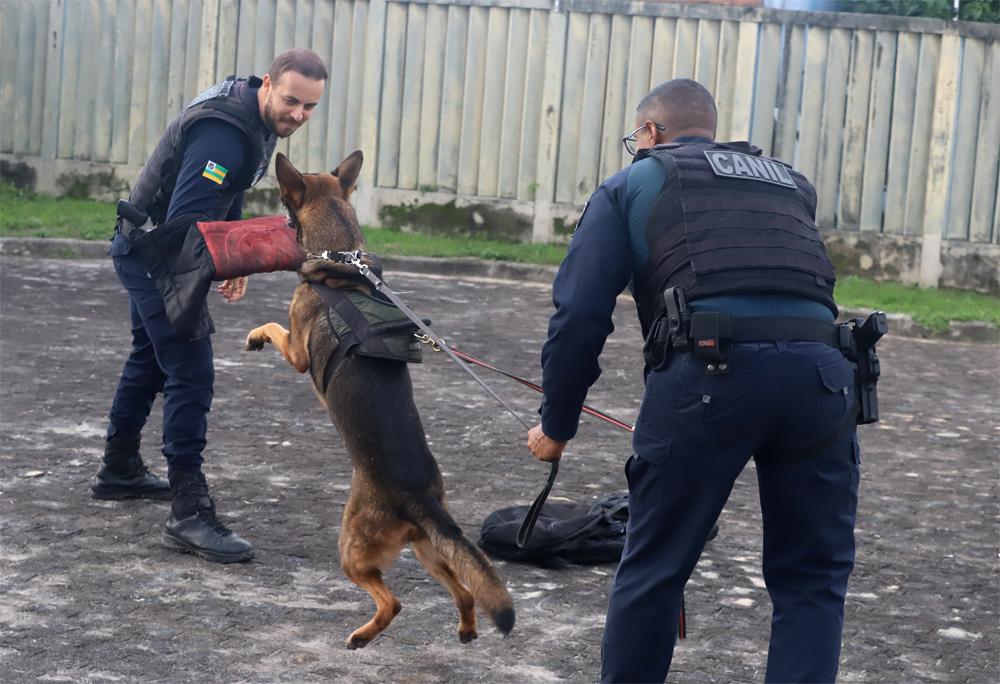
319,204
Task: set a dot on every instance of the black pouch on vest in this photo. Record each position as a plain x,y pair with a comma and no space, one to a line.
712,339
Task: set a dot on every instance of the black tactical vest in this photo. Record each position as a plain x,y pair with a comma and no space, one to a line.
234,101
729,221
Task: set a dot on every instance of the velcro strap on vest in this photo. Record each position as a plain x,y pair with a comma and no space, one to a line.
772,329
259,245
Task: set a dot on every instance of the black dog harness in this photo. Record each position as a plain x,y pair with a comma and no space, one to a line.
365,325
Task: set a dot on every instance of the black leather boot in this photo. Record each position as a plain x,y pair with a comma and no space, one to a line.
192,526
124,475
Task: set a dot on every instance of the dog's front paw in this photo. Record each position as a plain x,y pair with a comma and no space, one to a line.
255,341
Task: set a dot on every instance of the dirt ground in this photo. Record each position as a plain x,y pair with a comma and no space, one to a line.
88,594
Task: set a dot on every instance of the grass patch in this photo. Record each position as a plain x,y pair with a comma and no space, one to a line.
930,308
393,242
26,214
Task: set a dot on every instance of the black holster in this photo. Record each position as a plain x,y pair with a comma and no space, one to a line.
857,341
669,330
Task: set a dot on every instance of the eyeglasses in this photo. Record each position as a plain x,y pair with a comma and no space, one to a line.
629,140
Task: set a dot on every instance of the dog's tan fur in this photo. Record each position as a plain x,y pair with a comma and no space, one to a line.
397,494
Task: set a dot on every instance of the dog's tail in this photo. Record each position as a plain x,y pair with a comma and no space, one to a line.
473,569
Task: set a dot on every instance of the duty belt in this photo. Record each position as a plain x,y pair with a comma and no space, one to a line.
711,335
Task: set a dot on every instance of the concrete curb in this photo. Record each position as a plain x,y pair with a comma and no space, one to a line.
899,324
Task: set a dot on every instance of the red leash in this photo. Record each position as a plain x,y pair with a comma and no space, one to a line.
538,388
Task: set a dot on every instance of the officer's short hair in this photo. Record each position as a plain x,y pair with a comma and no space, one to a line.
687,101
301,61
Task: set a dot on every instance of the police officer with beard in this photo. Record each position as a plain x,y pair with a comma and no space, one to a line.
217,148
748,369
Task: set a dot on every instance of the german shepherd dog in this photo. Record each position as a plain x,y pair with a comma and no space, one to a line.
397,494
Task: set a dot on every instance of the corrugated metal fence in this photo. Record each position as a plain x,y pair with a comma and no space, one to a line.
896,120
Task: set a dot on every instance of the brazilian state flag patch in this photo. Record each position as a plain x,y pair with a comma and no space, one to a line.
215,172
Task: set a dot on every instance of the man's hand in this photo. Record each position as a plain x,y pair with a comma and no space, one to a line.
543,447
234,289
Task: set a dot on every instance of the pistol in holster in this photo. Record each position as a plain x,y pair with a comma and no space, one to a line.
669,331
857,341
132,223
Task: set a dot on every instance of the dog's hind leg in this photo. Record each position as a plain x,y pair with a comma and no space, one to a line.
438,567
364,553
387,606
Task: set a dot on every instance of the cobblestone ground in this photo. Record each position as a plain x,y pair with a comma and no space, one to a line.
87,593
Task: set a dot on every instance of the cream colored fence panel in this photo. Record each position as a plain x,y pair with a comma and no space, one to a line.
706,67
318,151
40,57
893,119
298,144
966,144
352,139
246,48
512,119
8,64
813,89
903,104
391,109
451,101
494,86
916,180
436,24
615,120
790,94
877,142
685,48
531,116
725,79
985,192
832,126
588,142
855,130
413,75
472,101
23,71
556,37
766,89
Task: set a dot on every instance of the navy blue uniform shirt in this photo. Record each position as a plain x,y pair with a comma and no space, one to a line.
609,245
211,146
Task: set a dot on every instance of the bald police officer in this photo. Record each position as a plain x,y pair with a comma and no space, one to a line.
734,291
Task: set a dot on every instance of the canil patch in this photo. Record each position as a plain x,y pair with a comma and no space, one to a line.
748,167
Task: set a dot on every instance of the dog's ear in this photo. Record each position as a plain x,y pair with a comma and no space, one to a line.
293,188
347,172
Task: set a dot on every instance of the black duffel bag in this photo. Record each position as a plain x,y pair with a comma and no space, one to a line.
566,533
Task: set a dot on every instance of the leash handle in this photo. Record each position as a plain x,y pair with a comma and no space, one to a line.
531,517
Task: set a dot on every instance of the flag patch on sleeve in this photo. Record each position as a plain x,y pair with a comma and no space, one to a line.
215,172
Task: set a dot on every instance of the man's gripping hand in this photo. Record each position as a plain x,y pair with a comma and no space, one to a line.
233,289
544,447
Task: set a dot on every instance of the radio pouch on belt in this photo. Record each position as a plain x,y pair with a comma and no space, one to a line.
712,339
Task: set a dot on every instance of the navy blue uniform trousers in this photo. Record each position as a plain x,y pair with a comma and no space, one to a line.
694,435
160,361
